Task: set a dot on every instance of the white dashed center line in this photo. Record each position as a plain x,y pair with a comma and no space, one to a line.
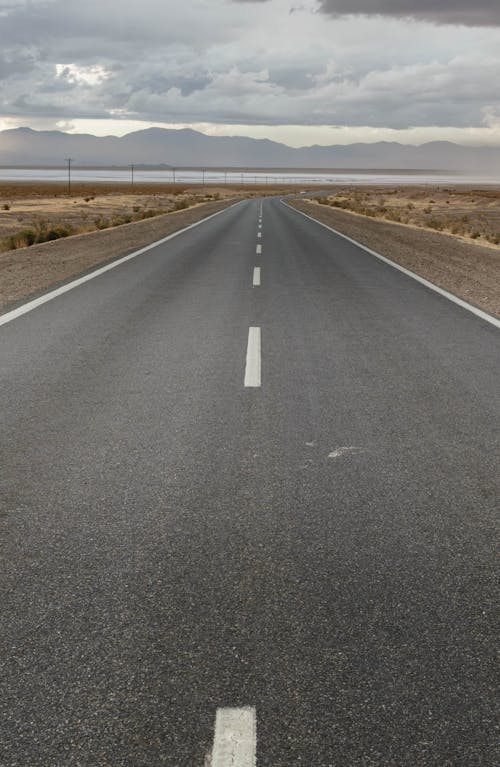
259,234
258,249
256,276
253,363
235,738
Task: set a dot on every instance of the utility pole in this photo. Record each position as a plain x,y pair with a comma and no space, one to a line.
173,175
132,174
69,160
203,176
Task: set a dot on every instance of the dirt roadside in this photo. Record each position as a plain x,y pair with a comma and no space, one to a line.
27,272
469,271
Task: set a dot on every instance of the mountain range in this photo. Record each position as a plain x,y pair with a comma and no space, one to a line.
189,148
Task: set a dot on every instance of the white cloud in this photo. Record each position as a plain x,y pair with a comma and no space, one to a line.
93,75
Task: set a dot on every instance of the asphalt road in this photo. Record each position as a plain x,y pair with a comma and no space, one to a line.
320,547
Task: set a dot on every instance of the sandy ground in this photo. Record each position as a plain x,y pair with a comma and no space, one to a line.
29,271
467,269
465,212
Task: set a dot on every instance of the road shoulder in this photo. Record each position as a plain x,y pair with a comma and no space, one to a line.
471,272
26,273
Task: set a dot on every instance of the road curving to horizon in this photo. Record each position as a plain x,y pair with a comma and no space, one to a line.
255,473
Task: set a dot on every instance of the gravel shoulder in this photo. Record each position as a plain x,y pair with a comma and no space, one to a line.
469,271
28,272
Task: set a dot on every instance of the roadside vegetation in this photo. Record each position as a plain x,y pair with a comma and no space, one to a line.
33,213
465,213
78,215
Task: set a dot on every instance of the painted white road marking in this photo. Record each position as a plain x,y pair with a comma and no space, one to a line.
260,226
258,249
253,363
259,234
339,451
36,302
235,738
256,276
450,296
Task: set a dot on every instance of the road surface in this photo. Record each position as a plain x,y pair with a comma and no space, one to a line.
249,472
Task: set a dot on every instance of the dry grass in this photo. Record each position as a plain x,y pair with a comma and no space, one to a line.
32,213
469,214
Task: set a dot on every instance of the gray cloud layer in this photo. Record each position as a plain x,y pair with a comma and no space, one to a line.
478,13
223,62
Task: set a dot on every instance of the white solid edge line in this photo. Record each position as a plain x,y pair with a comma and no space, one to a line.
258,249
450,296
235,738
253,361
256,276
43,299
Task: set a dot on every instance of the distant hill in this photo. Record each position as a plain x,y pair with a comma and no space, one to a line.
155,146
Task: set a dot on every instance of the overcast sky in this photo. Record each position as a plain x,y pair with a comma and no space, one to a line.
297,71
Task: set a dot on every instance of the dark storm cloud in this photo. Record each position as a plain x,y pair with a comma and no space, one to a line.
479,13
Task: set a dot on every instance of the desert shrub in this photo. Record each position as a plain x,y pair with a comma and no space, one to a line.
6,206
43,232
136,208
428,209
101,222
55,233
393,215
435,223
126,218
323,201
181,205
22,239
475,235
